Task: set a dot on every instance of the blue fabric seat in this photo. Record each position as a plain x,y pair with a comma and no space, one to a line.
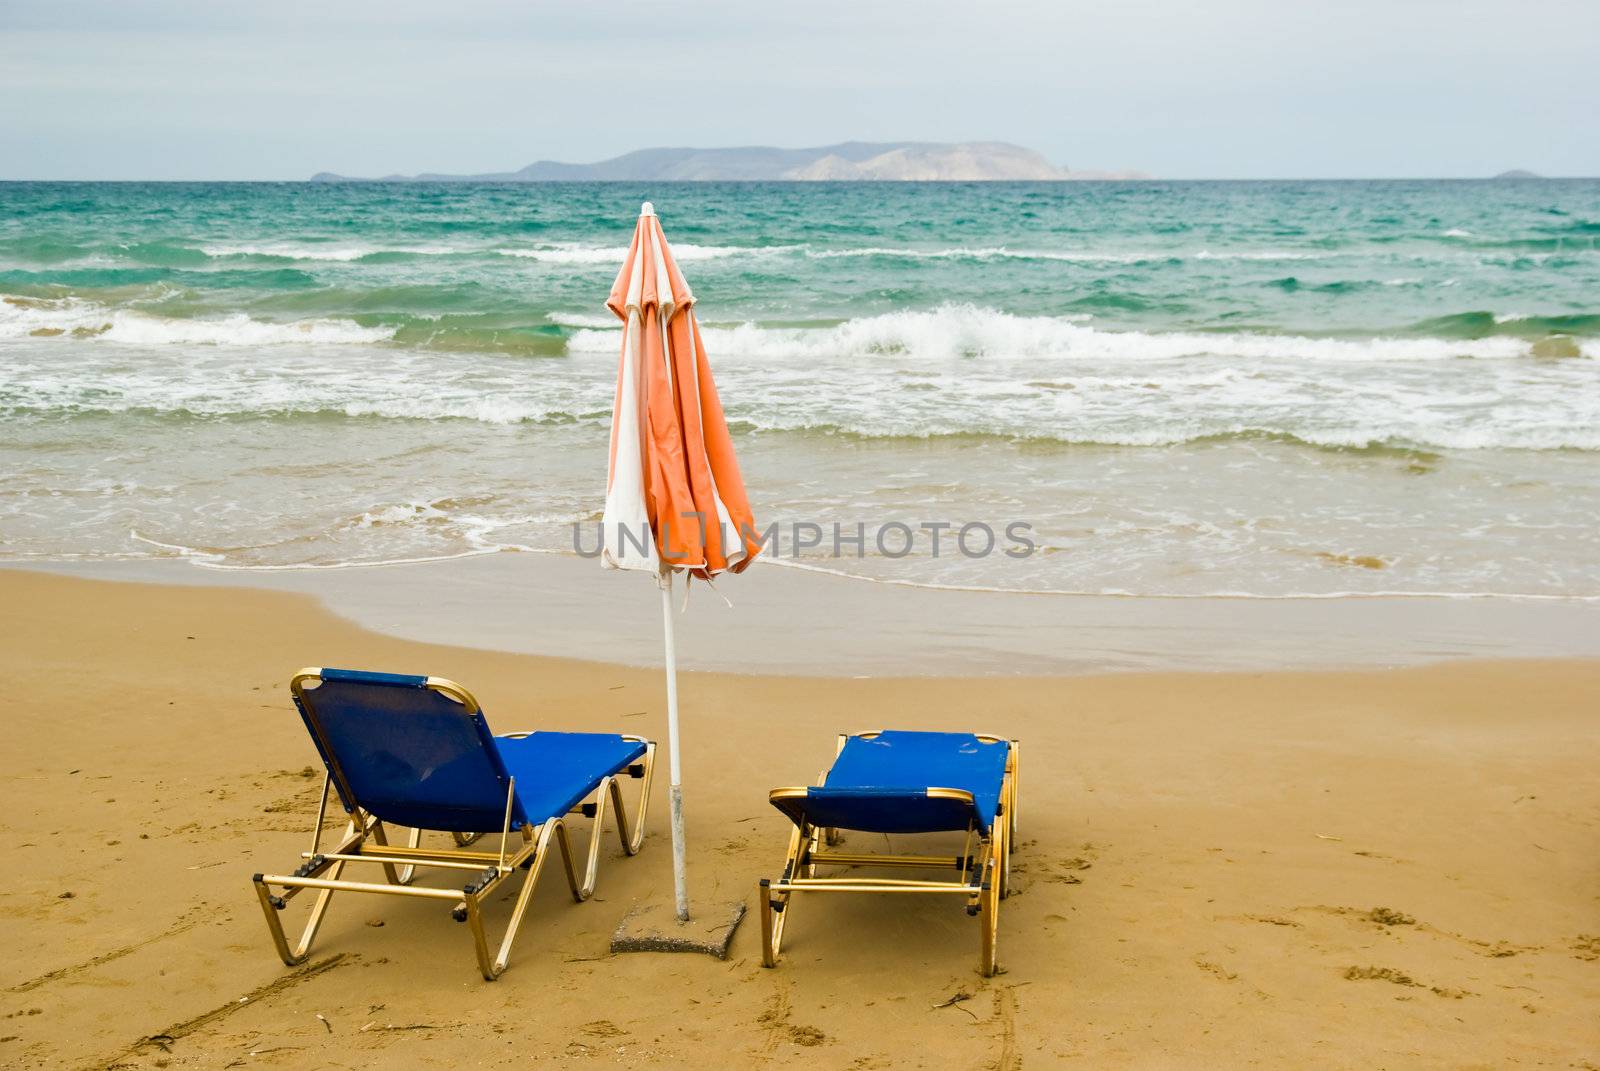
555,771
412,755
880,783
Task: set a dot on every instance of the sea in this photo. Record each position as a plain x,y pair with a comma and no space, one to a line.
1254,389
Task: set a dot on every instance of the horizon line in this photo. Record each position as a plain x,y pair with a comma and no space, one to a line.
359,181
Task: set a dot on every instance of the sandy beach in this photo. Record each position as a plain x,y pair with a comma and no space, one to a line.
1171,475
1364,868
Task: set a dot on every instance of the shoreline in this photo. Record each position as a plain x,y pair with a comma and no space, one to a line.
786,620
1378,867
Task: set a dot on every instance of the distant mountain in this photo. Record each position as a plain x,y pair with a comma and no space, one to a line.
902,161
1517,174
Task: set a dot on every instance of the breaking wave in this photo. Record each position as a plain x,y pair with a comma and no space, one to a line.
952,331
74,318
943,333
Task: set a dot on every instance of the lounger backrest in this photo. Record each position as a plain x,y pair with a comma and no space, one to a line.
881,810
907,782
406,751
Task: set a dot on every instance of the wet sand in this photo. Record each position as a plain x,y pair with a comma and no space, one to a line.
791,621
1381,867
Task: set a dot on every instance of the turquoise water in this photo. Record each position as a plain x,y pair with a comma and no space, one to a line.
1263,388
497,268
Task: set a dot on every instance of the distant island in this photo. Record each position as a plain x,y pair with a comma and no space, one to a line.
1518,173
898,161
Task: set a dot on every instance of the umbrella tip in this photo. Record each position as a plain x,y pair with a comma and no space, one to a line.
647,209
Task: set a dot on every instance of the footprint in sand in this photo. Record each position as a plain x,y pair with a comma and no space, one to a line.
808,1036
1399,977
1387,919
1586,947
775,1020
1063,871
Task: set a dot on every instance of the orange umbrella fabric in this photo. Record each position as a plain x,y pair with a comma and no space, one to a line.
674,496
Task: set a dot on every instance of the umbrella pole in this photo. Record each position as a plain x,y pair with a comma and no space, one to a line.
679,883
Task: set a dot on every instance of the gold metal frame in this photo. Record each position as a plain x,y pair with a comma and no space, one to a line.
983,867
366,840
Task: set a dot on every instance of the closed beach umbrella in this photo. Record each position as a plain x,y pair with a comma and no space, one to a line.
674,500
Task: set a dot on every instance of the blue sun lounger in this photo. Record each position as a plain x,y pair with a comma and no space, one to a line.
416,752
902,782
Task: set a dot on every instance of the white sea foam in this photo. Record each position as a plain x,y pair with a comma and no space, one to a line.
334,253
942,333
579,254
980,254
970,331
574,253
238,330
314,251
954,370
213,560
570,254
582,319
1085,256
78,319
1260,254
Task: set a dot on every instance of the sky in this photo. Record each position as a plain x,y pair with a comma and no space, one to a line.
165,89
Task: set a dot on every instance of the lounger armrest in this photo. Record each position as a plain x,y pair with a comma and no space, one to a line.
362,676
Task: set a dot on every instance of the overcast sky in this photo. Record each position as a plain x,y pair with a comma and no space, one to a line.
115,89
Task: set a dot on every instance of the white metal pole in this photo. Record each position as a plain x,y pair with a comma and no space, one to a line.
679,883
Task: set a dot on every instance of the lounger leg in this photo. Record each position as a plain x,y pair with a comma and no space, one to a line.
989,907
1005,863
470,909
480,944
271,906
581,891
771,925
632,837
775,906
1008,827
293,957
389,870
1016,761
523,899
409,872
397,875
319,911
275,926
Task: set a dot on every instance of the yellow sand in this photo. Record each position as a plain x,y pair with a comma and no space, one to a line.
1366,869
